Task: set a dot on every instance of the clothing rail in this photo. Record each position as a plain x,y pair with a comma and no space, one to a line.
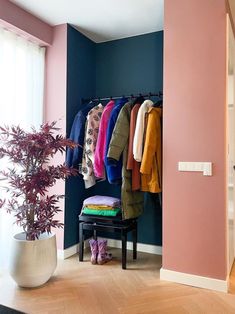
159,94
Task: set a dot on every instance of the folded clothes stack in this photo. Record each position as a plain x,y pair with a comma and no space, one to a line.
101,206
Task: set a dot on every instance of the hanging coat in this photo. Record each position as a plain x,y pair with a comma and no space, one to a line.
90,139
151,165
132,164
74,156
132,201
99,168
139,131
114,173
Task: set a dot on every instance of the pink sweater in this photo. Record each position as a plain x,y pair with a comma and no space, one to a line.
101,141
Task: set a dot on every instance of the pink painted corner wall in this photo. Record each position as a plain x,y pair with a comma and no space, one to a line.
55,103
194,206
25,23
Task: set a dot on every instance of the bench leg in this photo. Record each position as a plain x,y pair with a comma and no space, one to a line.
134,239
81,242
124,238
95,234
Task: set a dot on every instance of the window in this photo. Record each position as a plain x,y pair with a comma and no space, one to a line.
21,101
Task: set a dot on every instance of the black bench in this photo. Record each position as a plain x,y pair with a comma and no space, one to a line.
111,225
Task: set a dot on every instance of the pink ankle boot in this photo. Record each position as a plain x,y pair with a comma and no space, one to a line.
103,256
94,250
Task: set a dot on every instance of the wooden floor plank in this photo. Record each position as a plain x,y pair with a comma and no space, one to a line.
80,287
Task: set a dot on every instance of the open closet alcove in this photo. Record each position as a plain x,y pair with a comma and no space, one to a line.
126,66
198,211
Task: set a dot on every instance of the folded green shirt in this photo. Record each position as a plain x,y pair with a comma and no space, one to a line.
98,212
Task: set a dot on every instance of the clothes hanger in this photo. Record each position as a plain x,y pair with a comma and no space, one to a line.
159,102
139,100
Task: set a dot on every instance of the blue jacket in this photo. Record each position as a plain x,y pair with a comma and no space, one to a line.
114,168
74,156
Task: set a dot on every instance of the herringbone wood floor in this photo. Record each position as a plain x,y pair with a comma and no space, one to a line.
85,288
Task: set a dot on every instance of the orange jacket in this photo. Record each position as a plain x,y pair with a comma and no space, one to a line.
151,165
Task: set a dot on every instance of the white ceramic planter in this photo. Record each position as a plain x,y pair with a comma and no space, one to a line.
32,263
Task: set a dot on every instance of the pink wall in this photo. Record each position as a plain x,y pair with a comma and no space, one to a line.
31,27
194,206
55,101
14,17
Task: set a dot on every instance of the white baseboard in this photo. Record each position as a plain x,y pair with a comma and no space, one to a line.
141,247
194,280
70,251
165,274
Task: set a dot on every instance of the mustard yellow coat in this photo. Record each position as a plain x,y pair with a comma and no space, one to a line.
151,165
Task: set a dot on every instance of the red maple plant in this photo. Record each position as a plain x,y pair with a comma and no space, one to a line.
31,175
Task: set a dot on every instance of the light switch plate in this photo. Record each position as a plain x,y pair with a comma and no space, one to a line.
205,167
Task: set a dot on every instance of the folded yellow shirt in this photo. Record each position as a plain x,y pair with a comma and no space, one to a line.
100,207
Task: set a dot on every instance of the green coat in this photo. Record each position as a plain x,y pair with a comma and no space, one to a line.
132,201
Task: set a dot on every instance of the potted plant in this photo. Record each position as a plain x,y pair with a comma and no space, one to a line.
27,181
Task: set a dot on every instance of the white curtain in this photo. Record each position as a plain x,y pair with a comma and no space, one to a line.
21,103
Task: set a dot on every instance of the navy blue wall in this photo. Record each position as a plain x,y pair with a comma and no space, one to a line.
130,65
81,71
81,66
125,66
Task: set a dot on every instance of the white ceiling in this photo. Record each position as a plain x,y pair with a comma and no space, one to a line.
100,20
